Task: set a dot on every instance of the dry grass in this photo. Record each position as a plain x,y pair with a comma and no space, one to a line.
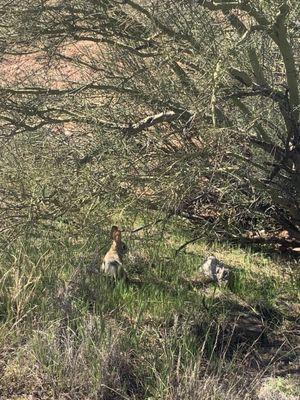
69,332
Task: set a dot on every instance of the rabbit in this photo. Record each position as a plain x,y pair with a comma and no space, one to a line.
112,261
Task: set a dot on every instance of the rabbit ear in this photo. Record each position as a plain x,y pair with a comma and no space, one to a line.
117,236
116,233
113,231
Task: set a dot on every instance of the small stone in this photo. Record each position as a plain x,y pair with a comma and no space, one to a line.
215,270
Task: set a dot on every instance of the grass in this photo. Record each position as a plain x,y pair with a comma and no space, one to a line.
66,331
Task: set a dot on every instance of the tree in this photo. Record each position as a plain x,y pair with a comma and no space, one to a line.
187,106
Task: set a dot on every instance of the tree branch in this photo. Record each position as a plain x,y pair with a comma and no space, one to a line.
184,78
168,116
279,35
165,29
262,134
277,152
133,129
279,97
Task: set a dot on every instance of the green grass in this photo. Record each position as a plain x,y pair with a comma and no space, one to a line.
67,331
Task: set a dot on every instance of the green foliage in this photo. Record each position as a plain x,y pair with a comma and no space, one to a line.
171,106
72,331
140,113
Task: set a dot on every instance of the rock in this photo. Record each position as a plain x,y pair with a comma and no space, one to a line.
215,270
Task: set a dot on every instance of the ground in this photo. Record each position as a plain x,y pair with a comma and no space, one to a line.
68,332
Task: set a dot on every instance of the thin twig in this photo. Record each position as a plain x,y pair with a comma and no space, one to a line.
187,243
150,224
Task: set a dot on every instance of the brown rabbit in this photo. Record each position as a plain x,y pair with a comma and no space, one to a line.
112,261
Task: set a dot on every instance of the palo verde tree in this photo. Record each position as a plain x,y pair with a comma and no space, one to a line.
187,106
